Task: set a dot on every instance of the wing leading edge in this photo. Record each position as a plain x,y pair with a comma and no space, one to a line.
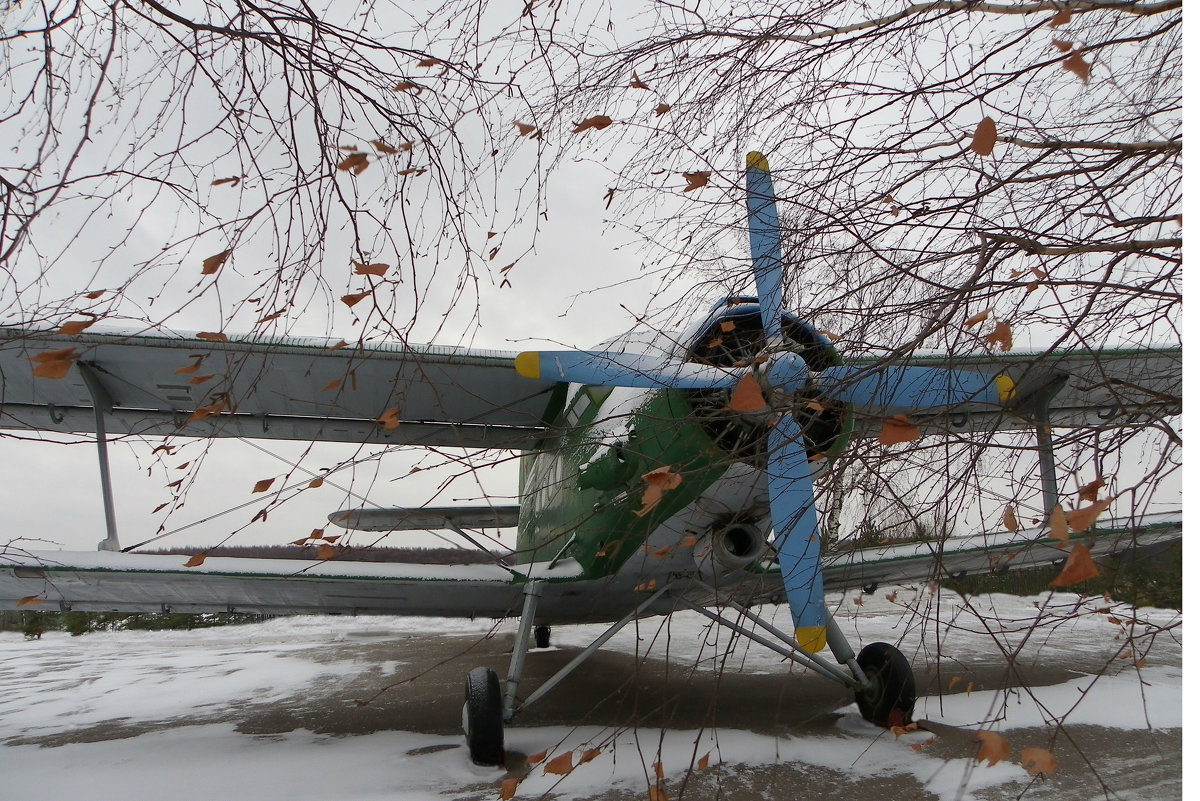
302,389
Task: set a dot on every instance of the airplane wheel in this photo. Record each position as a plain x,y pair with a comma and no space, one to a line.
483,717
889,698
541,636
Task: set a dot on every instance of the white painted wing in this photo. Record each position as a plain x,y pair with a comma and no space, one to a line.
301,389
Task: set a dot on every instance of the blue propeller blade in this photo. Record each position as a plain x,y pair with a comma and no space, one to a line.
613,369
765,253
905,389
797,531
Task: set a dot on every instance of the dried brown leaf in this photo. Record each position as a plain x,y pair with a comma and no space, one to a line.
1001,336
383,147
637,83
534,759
1010,518
953,680
29,600
73,327
657,793
390,419
316,482
54,364
696,180
1085,518
1075,65
524,129
406,86
992,748
898,429
1058,525
201,379
413,171
355,163
326,552
196,561
661,109
334,384
977,318
234,181
1079,568
212,336
747,396
599,122
702,762
658,482
214,262
263,485
93,295
588,755
561,765
1062,46
984,139
1089,492
350,300
508,788
428,61
1061,18
1038,761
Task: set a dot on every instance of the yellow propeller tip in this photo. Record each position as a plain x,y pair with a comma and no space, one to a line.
811,638
528,364
757,161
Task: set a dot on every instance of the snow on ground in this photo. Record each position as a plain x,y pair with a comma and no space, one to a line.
1130,677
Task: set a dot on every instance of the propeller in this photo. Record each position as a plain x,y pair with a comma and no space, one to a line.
877,387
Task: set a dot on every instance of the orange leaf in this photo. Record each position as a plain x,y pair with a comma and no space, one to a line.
196,560
524,128
1001,336
1061,18
702,762
747,396
533,759
953,680
369,269
200,379
695,180
390,419
350,300
1058,525
383,147
661,109
334,384
976,319
1078,67
1010,518
1089,491
213,263
588,755
898,429
985,137
316,482
598,122
1085,518
341,343
264,485
992,747
212,337
1079,567
326,552
658,482
1038,761
508,788
74,327
355,163
657,793
191,368
300,542
54,363
658,770
29,600
561,765
206,411
637,83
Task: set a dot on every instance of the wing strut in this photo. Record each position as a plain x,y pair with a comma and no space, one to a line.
1037,404
102,404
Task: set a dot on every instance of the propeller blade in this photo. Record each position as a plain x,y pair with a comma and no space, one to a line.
904,389
765,253
612,369
797,531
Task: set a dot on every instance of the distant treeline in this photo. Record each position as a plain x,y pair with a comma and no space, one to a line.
431,556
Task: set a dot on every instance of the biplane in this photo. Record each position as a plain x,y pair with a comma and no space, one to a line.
659,472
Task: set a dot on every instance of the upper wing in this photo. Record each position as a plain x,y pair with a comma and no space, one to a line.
1100,389
305,389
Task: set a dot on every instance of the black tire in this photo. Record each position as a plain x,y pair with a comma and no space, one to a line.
483,717
890,697
541,636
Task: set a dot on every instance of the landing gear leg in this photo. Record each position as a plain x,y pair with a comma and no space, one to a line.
483,717
890,695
